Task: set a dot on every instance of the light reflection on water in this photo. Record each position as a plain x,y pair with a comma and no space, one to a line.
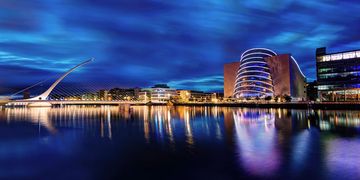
263,143
255,136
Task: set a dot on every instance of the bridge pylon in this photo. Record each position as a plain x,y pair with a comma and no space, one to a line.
44,96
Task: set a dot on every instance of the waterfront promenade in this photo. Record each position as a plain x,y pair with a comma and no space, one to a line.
286,105
250,104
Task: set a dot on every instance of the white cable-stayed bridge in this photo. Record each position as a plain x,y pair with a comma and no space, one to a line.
44,100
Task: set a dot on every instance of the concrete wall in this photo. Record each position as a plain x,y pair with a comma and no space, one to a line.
286,76
230,70
298,82
280,74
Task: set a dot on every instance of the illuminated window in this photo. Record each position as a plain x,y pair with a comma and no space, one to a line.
335,57
358,54
349,55
326,58
322,70
324,87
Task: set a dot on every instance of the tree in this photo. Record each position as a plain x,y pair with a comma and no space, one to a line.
268,98
287,98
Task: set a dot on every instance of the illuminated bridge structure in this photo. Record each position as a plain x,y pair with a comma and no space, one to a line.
46,94
253,78
43,100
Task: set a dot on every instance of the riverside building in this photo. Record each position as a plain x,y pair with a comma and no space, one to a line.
157,93
338,75
195,96
287,78
230,70
263,73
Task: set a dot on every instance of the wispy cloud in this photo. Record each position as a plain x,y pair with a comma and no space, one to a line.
141,42
207,83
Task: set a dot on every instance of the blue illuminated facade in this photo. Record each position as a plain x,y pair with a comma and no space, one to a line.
253,78
338,75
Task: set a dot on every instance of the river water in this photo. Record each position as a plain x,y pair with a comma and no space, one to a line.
163,142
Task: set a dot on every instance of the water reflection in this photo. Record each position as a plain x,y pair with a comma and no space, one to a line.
342,158
163,122
168,124
52,119
256,141
266,142
34,115
338,120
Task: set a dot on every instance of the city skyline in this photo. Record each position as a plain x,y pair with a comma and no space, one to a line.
184,90
149,42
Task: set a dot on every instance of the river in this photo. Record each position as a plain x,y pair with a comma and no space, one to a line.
181,142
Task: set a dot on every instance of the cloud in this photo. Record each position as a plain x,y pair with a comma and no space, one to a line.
138,43
209,83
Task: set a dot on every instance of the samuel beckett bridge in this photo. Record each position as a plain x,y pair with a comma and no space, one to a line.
43,99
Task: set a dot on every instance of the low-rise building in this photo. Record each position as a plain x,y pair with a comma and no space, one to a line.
157,93
104,95
124,93
190,95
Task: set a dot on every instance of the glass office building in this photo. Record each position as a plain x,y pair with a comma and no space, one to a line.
338,75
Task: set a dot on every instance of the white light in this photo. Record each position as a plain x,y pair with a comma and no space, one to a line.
335,57
326,58
349,55
253,81
247,71
252,62
248,90
264,77
258,49
256,53
246,67
298,66
239,74
341,56
253,85
358,54
248,58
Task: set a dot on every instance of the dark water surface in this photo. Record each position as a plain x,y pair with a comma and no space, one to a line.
160,142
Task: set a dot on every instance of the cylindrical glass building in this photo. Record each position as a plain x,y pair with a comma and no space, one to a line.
253,77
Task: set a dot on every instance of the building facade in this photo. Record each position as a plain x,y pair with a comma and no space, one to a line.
157,93
253,76
312,91
104,95
194,96
287,78
338,75
230,70
263,73
124,93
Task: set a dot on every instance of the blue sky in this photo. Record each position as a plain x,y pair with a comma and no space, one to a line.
143,42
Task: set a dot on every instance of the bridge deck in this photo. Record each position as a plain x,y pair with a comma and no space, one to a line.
77,102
